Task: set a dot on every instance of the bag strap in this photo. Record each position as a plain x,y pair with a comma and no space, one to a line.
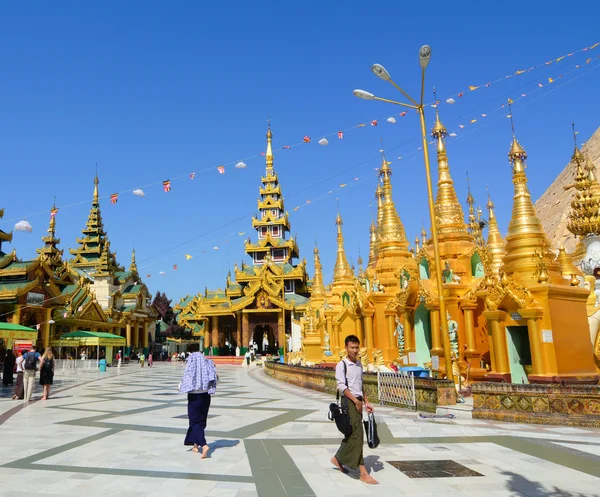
337,396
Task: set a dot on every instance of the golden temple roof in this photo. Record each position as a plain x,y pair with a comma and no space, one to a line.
342,272
527,248
448,211
50,249
584,216
495,242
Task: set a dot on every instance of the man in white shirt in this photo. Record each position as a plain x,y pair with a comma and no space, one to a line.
348,375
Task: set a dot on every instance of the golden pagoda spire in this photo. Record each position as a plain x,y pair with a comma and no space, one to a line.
269,152
527,246
341,271
372,245
567,268
390,229
50,249
448,211
318,288
585,205
133,267
495,242
474,226
96,200
379,197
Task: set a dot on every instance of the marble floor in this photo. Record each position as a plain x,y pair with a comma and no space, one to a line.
120,433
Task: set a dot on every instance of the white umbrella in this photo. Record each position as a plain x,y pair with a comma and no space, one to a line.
139,192
23,226
323,141
240,165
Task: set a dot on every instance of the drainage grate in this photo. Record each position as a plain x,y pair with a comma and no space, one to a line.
433,469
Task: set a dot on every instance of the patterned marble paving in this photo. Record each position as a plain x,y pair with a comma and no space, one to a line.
121,434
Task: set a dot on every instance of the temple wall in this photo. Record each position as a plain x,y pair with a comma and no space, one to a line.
538,404
429,393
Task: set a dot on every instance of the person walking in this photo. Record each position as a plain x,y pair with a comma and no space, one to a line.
247,356
199,382
142,359
348,375
30,364
9,365
47,371
150,360
119,358
19,392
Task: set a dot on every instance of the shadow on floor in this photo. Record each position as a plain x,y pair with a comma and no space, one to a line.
221,444
373,464
522,486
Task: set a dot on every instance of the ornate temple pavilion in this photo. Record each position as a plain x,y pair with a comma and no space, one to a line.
259,303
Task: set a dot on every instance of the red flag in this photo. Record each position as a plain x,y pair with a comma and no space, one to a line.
192,175
53,212
461,94
306,139
167,185
402,114
148,275
113,198
221,169
175,267
285,146
374,123
341,135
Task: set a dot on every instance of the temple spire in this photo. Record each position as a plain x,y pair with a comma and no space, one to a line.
50,249
527,246
96,200
269,152
495,242
133,267
474,226
372,245
318,288
390,230
342,272
448,211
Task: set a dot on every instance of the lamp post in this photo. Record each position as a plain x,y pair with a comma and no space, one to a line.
381,72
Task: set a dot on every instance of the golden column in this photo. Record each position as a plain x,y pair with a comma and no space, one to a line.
128,334
281,330
533,317
409,339
145,334
470,330
381,72
47,324
498,345
245,330
390,318
358,329
215,332
238,333
338,336
16,317
436,342
368,317
136,335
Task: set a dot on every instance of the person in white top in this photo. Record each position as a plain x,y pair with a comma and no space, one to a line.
19,388
348,375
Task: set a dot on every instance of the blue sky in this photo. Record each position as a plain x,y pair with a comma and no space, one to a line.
152,91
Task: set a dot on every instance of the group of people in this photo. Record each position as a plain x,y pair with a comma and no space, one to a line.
200,382
26,365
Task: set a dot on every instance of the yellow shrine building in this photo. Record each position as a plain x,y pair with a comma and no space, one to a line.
259,304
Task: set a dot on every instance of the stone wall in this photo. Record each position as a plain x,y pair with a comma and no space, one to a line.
542,404
429,393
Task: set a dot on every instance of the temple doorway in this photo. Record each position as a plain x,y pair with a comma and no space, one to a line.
519,353
264,338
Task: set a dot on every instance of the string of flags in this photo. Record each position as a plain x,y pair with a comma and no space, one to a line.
240,164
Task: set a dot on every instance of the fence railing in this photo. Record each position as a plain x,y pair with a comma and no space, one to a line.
75,366
396,388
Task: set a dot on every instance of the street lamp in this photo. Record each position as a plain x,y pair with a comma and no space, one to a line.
382,73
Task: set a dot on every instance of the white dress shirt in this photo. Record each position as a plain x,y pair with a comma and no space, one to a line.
353,377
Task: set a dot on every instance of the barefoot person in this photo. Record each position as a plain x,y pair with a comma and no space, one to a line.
350,384
199,382
47,371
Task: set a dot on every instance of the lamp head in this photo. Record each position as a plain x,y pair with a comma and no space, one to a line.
424,56
381,72
51,321
363,94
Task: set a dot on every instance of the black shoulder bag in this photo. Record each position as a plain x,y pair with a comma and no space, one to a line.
338,412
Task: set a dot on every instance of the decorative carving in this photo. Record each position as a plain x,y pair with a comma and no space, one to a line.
364,358
453,334
399,334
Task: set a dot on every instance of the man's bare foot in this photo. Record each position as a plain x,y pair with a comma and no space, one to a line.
205,449
368,479
338,465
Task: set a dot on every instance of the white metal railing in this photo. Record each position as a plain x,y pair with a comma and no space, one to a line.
74,366
397,388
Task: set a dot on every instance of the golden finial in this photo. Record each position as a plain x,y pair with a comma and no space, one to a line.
517,154
96,181
341,271
269,152
417,248
577,155
424,236
318,288
379,197
438,131
133,267
474,228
